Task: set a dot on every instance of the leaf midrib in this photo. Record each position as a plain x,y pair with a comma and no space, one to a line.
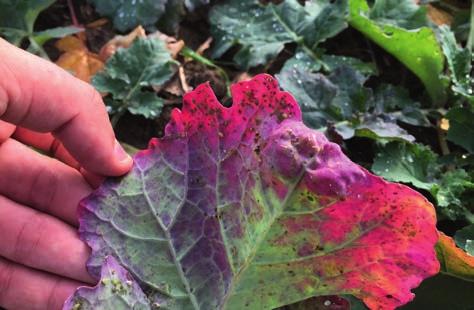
168,238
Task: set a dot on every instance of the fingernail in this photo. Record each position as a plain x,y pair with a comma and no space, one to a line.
120,152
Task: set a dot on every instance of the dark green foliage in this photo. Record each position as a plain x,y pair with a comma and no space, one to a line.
261,31
131,73
17,23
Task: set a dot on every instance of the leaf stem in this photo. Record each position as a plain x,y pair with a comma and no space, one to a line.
470,39
72,12
469,217
187,52
299,40
37,48
443,144
116,117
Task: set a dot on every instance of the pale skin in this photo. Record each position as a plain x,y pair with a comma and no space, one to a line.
42,259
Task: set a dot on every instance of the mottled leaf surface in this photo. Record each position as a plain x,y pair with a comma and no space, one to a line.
130,73
116,290
454,261
247,208
261,31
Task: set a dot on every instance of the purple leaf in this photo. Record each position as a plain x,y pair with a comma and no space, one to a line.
246,208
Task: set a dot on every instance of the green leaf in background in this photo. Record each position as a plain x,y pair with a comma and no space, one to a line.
449,191
461,127
54,33
460,64
461,24
262,31
17,17
408,163
194,4
417,49
396,99
127,14
331,62
130,73
465,239
325,98
402,13
418,165
17,20
341,100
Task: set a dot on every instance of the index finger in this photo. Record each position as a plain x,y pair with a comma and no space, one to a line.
40,96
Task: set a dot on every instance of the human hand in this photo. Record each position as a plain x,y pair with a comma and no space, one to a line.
42,260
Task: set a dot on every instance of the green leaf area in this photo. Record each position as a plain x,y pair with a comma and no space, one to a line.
127,14
339,101
417,165
130,76
261,31
17,21
417,48
459,63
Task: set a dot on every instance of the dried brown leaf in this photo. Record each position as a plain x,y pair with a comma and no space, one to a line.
77,58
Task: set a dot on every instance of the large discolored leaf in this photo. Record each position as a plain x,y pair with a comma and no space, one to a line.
116,290
261,31
247,208
417,49
453,260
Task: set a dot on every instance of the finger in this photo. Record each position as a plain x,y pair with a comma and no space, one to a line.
25,288
6,130
40,241
38,95
47,143
41,182
94,180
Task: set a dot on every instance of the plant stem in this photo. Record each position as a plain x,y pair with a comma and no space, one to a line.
114,120
469,217
72,12
37,48
470,39
187,52
442,140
